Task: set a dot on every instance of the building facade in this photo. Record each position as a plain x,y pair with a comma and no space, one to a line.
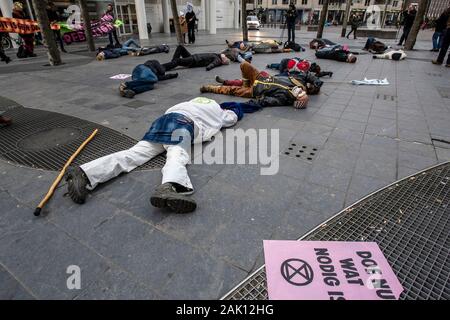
150,16
309,10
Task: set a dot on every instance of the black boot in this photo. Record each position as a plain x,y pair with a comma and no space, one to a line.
76,184
220,80
167,196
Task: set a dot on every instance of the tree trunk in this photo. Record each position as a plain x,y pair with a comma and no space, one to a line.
346,17
383,19
411,41
244,20
323,19
87,24
176,21
54,56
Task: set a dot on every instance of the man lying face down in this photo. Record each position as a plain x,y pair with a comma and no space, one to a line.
144,78
188,122
182,57
292,66
268,90
130,47
337,53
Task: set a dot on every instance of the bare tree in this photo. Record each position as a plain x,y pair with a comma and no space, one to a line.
176,21
346,17
54,56
244,20
323,19
87,24
411,40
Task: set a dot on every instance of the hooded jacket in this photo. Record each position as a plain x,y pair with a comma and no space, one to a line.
208,60
276,91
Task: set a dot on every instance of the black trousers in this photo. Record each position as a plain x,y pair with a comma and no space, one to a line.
354,32
2,53
404,35
444,48
191,33
291,31
57,34
111,34
181,57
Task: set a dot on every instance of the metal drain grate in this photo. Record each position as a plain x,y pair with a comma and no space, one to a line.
300,151
386,97
410,221
43,139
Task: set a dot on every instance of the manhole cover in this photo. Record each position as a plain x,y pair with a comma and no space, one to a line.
49,138
45,140
409,220
300,151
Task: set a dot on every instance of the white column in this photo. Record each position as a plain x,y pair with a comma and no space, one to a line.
212,17
202,18
165,10
6,7
141,19
236,14
207,15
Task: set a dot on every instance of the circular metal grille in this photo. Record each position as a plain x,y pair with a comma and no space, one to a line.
45,140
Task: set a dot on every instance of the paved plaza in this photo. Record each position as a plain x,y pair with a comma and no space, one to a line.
366,137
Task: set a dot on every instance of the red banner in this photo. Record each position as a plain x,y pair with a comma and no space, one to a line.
22,26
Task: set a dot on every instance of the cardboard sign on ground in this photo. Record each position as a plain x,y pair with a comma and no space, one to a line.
328,270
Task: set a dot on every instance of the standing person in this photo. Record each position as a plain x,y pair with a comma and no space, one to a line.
3,56
408,20
53,17
27,50
291,17
190,18
110,12
445,46
183,26
354,23
441,25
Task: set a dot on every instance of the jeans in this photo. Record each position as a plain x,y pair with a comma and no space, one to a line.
445,46
130,45
171,128
437,40
291,31
143,79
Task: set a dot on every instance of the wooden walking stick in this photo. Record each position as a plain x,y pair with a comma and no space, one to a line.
50,192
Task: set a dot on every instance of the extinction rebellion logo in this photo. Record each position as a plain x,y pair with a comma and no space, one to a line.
297,272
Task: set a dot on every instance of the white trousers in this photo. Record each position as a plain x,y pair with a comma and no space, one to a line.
110,166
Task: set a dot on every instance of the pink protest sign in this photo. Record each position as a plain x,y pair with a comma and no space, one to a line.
328,270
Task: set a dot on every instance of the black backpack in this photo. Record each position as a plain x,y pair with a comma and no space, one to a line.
292,45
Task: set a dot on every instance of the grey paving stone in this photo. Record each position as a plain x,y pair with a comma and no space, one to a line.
45,254
320,199
11,288
361,185
409,135
330,177
380,141
415,161
376,169
443,155
351,125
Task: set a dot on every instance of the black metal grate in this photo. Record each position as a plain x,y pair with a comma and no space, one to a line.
300,151
31,122
410,221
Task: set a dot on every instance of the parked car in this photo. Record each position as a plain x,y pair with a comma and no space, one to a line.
253,22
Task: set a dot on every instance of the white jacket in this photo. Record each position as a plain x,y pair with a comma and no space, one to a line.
207,115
